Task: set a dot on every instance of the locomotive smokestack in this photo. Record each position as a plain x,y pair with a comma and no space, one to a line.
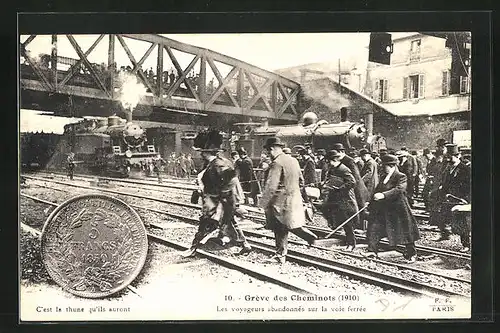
343,114
128,115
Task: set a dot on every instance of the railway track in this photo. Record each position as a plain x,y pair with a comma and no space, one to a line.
363,274
251,270
190,186
258,216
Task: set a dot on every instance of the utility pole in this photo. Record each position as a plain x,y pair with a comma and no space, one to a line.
368,92
340,75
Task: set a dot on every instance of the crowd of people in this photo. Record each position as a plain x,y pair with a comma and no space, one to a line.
357,188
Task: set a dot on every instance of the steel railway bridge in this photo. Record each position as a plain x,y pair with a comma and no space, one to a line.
212,89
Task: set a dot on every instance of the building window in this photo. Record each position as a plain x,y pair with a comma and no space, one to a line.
382,87
413,87
464,85
445,83
415,50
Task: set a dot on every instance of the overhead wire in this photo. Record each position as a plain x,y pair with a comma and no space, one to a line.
459,55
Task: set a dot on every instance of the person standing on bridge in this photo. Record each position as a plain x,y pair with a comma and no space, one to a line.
282,200
219,188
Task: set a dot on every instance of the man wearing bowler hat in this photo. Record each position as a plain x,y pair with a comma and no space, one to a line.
390,214
456,189
340,201
360,189
219,189
322,163
282,200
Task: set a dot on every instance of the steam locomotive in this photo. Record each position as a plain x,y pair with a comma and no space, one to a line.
320,134
109,146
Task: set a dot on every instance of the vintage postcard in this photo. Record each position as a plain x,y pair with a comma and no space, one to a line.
241,177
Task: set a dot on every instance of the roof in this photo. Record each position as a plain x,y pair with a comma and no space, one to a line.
429,107
414,108
31,121
299,130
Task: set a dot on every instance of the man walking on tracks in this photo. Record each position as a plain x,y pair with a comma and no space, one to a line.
159,167
71,165
390,213
217,182
456,189
340,202
282,200
246,174
360,190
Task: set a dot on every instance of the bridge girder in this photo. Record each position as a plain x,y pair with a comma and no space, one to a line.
273,97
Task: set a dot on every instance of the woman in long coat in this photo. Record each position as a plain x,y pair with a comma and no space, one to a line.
390,213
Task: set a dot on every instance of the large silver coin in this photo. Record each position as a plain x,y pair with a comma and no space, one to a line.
94,245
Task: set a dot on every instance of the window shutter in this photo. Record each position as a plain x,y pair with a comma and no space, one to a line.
405,87
421,85
385,91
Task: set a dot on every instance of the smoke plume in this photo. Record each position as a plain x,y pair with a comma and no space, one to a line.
131,90
324,91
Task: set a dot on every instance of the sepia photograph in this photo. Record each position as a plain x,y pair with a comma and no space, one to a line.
245,176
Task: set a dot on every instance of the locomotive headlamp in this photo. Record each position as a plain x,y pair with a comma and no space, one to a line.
128,153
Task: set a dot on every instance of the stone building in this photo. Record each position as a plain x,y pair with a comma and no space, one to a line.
415,100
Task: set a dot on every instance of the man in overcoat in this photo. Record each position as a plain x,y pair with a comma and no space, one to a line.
369,172
282,200
322,163
309,165
456,188
219,193
390,213
360,190
408,167
340,201
437,169
71,165
247,177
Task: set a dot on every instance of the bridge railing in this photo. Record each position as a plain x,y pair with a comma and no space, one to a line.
211,81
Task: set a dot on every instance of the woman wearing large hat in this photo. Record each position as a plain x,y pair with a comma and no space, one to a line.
390,214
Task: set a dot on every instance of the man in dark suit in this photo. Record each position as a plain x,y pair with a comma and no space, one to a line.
219,193
390,213
246,174
456,187
408,167
340,201
369,172
322,163
360,190
309,166
282,199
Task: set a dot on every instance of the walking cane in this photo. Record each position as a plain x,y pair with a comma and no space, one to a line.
345,222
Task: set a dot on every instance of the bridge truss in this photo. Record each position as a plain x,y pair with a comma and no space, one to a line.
234,87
